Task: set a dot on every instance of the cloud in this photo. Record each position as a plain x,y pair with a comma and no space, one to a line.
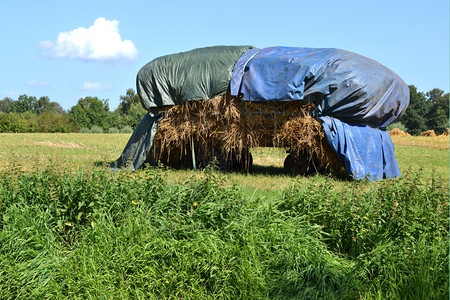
99,42
37,83
95,86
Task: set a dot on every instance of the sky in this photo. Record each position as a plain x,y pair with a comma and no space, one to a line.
68,50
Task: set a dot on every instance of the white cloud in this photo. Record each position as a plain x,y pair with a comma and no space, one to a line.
95,86
37,83
101,41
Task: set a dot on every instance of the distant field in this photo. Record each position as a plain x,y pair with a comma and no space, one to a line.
75,150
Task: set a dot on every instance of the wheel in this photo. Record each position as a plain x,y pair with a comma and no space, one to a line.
298,165
232,161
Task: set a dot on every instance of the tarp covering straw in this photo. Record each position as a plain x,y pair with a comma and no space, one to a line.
279,96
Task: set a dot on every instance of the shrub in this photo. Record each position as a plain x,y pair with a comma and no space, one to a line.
126,129
96,129
53,122
85,130
113,130
398,125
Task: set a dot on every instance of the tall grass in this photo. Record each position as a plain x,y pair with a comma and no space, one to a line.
96,234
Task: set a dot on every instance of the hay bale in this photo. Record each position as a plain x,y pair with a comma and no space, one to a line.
428,133
230,126
398,132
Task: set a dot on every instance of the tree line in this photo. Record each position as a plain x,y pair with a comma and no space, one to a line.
426,111
90,114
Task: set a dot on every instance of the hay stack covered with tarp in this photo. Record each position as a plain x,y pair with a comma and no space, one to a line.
226,127
328,105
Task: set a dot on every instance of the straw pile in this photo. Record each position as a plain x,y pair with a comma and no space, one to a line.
398,132
228,127
428,133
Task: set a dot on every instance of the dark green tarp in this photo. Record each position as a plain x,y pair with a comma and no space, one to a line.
198,74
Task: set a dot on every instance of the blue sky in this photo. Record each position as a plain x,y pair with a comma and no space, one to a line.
68,50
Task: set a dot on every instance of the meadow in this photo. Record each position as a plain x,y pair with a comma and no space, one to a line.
70,228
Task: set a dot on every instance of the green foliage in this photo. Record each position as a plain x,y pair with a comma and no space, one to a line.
387,230
24,104
44,105
136,235
30,115
90,111
49,121
96,129
126,129
438,114
113,130
84,130
426,111
6,105
13,122
398,125
130,110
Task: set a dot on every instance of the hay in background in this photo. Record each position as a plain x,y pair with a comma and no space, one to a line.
398,132
227,125
428,133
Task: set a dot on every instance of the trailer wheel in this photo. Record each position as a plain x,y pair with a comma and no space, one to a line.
233,162
298,165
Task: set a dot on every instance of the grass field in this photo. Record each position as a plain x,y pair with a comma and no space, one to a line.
428,155
70,229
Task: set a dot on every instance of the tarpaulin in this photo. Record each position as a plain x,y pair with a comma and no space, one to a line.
342,84
365,152
197,74
138,147
356,97
171,80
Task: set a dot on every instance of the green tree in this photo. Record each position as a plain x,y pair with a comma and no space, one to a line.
130,109
43,104
415,116
127,101
438,113
6,105
50,121
24,104
90,111
13,122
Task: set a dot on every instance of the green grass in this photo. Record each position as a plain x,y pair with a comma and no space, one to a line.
70,229
117,235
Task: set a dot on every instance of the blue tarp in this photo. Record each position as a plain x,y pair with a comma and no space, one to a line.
365,152
356,98
342,84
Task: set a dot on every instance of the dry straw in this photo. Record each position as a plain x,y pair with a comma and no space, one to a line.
398,132
428,133
227,125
